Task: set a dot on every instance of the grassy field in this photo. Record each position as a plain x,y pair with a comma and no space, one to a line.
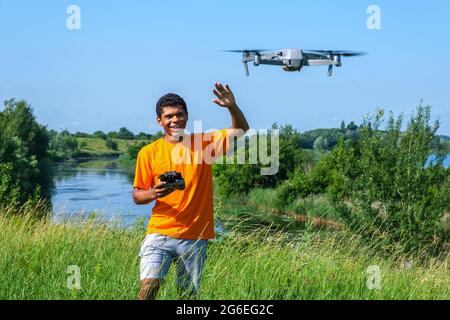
97,146
243,263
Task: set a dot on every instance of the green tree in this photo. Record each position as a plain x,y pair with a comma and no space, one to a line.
126,134
319,143
143,136
238,179
81,135
352,126
24,155
112,135
343,128
111,144
100,134
68,144
385,186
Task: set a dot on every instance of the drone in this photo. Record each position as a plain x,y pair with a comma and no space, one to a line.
294,59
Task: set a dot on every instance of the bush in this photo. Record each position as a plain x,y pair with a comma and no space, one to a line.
386,186
110,144
83,144
64,144
297,186
239,179
301,185
9,189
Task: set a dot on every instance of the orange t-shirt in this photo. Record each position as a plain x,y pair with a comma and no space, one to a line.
186,214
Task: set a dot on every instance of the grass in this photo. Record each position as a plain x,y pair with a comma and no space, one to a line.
97,146
315,208
243,263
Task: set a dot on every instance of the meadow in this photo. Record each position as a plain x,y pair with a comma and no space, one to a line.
96,147
248,261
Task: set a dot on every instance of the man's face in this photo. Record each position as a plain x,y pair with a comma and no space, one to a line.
173,120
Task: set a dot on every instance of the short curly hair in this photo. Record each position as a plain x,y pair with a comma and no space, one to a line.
170,99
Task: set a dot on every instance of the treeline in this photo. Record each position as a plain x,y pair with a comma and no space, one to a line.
384,183
327,139
29,150
123,133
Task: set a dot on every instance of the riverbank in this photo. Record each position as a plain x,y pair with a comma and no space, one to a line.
97,148
36,259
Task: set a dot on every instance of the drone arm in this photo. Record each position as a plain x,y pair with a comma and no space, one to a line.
320,62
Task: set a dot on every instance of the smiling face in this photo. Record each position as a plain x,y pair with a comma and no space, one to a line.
173,119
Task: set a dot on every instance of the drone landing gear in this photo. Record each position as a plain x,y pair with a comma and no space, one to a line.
330,70
246,69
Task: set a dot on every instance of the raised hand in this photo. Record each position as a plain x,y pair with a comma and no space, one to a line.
225,97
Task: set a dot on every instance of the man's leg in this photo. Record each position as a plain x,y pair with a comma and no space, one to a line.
155,264
189,265
149,289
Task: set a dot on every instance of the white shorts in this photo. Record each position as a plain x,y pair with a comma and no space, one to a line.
158,251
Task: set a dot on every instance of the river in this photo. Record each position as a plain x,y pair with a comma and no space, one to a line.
96,187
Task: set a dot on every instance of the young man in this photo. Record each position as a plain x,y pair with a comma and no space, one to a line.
182,220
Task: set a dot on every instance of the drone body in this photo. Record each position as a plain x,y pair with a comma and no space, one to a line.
295,59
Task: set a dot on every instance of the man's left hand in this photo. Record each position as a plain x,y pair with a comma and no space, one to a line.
225,97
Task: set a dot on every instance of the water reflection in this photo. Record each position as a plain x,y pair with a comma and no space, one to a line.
106,191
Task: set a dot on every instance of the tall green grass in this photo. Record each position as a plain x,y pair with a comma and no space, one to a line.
312,206
255,264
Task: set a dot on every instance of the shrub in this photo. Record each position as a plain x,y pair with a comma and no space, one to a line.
298,186
110,144
9,189
386,186
238,179
301,185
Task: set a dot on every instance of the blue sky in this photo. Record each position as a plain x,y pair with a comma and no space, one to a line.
127,54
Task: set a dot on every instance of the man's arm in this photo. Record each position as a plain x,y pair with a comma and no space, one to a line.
141,196
226,99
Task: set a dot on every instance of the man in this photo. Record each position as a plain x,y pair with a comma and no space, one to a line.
182,220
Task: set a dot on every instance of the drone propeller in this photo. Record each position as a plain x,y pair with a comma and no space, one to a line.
247,50
337,53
